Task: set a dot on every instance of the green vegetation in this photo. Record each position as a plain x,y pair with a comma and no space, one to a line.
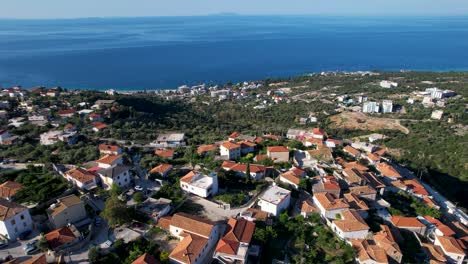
122,253
234,199
40,185
406,205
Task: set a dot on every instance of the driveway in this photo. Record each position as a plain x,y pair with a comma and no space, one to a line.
15,248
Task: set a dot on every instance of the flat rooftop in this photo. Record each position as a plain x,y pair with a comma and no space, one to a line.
275,194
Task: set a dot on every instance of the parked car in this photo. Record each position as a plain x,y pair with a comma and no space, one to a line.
97,221
30,248
3,243
138,188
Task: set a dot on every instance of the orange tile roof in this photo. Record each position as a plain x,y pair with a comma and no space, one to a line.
277,149
400,221
59,237
322,153
193,224
416,187
256,168
355,202
9,209
385,239
330,201
308,207
188,250
81,175
330,183
352,176
41,259
9,189
368,251
230,145
387,170
446,231
291,177
109,159
435,253
258,214
146,259
451,245
314,141
164,153
66,112
234,135
99,125
274,137
362,190
239,231
351,150
350,221
355,165
206,148
188,177
106,147
373,157
373,180
429,202
319,131
247,144
380,152
161,169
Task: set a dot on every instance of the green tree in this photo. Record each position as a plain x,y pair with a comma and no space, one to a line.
93,254
115,190
115,212
138,198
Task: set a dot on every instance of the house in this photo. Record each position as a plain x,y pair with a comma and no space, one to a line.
388,171
309,142
165,153
67,210
14,219
319,133
8,189
278,153
453,248
110,149
350,225
199,184
172,140
364,146
386,240
275,200
254,214
234,136
439,228
354,165
256,171
94,117
372,158
408,223
6,138
66,113
156,208
233,247
247,147
295,133
434,254
109,160
99,126
292,177
205,149
388,84
54,136
374,182
333,142
321,153
100,104
162,169
330,206
146,259
326,184
367,252
365,191
353,177
357,204
62,237
82,178
307,208
416,188
117,174
197,236
352,152
230,150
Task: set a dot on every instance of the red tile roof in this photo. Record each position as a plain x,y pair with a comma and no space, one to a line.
416,187
164,153
277,149
146,259
446,231
99,125
81,175
109,159
59,237
106,147
66,112
387,170
351,221
161,169
41,259
206,148
291,177
451,245
230,145
400,221
234,135
9,189
351,150
319,131
239,231
330,202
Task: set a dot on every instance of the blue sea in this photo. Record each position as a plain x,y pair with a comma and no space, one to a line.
165,52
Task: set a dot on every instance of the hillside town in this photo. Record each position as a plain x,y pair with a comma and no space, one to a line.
75,189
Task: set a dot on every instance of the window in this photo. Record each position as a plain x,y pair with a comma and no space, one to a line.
24,224
13,222
22,217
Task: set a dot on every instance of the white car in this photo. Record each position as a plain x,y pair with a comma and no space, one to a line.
138,188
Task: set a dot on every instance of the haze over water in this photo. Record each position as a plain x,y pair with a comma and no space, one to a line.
165,52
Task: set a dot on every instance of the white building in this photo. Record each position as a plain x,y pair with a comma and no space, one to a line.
156,208
199,184
197,237
54,136
275,200
437,114
233,247
388,84
14,219
452,248
171,140
230,149
330,206
81,178
437,93
387,106
370,107
117,174
350,225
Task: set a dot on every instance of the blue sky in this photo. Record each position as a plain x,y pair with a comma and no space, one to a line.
132,8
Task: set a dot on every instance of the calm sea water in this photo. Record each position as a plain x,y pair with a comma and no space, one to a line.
155,53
